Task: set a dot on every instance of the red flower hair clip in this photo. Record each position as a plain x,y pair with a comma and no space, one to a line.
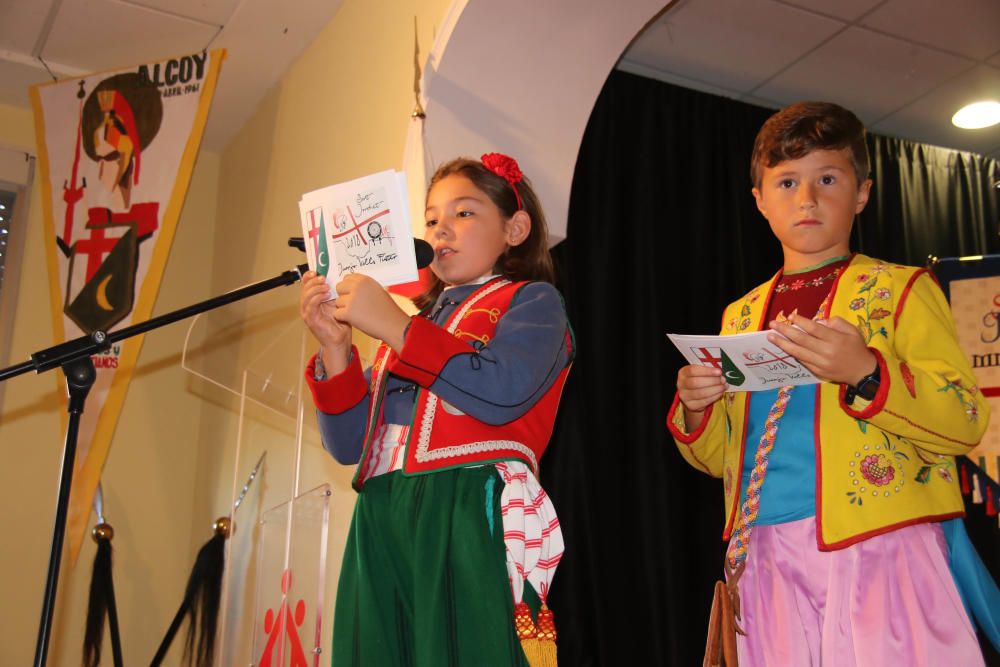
506,168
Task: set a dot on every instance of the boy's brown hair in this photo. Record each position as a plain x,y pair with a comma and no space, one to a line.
804,127
529,260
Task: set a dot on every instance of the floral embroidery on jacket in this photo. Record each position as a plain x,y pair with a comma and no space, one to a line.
870,313
938,463
876,471
742,321
964,396
799,284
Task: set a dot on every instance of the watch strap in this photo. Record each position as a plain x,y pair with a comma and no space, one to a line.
866,388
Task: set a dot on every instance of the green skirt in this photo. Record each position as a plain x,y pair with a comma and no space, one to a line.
424,581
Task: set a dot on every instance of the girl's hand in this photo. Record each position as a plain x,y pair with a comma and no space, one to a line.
318,314
365,305
832,349
698,387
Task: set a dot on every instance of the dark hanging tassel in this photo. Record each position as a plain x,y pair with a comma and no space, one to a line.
964,476
201,603
101,603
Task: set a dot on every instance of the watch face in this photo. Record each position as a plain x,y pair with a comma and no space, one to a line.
868,387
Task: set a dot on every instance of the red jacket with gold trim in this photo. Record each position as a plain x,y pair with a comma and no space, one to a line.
442,436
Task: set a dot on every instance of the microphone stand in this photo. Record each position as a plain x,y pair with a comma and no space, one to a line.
74,358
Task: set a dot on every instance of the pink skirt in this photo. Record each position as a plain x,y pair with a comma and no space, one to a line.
889,600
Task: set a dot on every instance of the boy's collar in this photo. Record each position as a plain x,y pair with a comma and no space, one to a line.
820,265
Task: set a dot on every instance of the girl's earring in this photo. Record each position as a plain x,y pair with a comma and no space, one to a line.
520,232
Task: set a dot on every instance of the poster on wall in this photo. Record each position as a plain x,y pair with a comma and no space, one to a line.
975,305
115,152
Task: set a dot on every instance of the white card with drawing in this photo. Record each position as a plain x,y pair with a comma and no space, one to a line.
360,226
749,362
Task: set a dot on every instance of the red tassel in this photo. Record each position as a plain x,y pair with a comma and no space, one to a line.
523,622
546,624
991,506
964,476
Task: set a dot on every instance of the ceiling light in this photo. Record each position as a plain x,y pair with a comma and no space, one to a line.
977,115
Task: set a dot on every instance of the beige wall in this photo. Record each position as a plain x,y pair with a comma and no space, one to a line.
150,471
341,111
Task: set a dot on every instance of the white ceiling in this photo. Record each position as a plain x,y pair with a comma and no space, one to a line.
904,66
76,37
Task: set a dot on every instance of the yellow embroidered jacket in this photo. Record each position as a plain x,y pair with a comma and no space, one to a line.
880,464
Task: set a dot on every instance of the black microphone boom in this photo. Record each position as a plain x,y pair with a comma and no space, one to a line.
422,249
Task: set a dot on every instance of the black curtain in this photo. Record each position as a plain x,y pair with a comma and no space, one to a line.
662,234
928,200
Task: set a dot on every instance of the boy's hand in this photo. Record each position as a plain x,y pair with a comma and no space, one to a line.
697,388
364,304
317,313
832,349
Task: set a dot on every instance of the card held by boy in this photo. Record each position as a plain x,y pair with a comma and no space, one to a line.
360,226
748,361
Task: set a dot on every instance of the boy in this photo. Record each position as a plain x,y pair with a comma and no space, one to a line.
848,563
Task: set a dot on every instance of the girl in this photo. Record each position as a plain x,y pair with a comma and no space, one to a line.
447,428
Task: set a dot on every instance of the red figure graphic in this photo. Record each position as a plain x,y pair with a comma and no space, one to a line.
273,626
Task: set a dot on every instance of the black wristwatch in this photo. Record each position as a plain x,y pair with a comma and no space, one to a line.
866,387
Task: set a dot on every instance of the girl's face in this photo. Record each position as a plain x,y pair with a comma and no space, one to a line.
467,230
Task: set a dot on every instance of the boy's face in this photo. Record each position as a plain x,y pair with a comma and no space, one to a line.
810,203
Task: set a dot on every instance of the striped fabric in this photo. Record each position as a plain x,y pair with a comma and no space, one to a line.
531,531
530,526
388,449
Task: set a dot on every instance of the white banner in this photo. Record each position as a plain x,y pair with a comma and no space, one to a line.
116,151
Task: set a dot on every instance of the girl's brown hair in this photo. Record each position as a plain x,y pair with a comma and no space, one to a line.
529,260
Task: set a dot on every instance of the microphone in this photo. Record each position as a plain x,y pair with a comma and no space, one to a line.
424,252
422,249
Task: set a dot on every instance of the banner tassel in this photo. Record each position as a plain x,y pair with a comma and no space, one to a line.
201,602
101,602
